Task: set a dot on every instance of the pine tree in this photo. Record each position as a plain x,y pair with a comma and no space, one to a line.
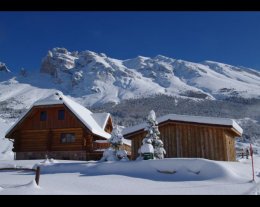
152,146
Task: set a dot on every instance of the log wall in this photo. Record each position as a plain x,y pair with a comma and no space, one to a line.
191,140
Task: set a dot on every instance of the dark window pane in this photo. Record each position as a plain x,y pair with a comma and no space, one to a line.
67,137
61,114
43,116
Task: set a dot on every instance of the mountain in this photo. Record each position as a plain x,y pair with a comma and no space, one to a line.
128,89
3,68
101,79
94,79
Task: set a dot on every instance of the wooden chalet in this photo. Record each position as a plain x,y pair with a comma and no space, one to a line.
191,136
61,128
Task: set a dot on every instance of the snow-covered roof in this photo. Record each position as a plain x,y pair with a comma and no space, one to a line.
101,119
55,98
83,114
101,141
186,118
127,141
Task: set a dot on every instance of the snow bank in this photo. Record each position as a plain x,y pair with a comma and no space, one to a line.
23,189
167,176
187,169
47,162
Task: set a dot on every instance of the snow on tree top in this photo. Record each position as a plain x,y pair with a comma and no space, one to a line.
147,148
186,118
90,120
151,116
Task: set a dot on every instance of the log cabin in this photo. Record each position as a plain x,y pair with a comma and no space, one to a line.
60,128
191,136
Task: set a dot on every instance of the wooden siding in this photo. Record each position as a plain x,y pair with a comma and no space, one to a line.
191,140
32,121
48,140
99,146
230,145
32,135
32,141
109,126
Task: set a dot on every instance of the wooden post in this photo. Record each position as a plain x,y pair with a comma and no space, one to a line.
37,175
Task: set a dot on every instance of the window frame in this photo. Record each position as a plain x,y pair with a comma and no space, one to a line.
43,116
67,138
61,114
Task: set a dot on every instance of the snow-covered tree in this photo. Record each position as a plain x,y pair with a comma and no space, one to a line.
109,155
116,139
159,151
114,152
122,155
147,150
152,146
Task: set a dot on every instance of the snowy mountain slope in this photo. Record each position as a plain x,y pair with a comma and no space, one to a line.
4,68
95,79
143,76
5,145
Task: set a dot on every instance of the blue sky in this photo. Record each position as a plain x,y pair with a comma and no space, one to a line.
229,37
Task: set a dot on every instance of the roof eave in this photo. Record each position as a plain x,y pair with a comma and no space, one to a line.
236,129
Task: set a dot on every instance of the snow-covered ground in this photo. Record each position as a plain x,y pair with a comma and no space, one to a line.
168,176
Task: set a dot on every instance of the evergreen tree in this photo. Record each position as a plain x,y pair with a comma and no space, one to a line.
152,146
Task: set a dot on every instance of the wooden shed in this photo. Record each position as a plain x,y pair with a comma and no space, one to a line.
61,128
191,136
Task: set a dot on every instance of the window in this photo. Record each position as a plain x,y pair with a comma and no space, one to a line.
43,116
61,114
67,137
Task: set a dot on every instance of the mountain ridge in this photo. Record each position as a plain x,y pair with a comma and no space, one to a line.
94,79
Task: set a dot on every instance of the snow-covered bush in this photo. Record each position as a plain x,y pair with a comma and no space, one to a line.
114,152
109,155
47,161
116,139
122,155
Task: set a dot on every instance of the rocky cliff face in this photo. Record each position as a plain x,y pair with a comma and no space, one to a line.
109,79
4,68
58,59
